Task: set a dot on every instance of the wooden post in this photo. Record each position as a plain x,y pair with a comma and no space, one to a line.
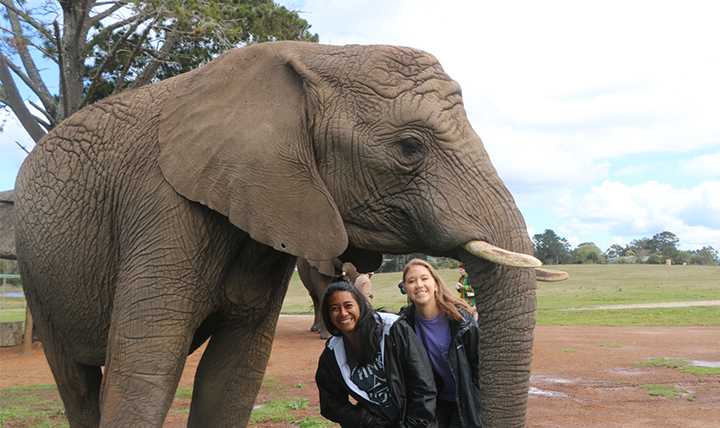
27,339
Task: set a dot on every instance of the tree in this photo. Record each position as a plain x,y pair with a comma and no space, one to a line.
682,257
615,250
664,242
656,259
706,256
550,248
588,252
640,248
101,48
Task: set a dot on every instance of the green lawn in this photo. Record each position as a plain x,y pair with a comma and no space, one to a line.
589,285
594,285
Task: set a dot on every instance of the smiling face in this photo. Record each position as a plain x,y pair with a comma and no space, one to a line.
344,312
420,286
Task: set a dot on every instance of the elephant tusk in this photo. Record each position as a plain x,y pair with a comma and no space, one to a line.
549,275
500,256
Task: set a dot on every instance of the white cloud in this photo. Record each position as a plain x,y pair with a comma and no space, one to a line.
644,210
704,167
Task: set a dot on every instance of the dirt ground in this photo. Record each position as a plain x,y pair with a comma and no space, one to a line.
581,376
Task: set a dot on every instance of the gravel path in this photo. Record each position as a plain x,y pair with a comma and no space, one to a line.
650,305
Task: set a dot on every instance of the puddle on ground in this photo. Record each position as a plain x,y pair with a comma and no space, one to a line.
550,379
612,389
536,391
631,371
711,364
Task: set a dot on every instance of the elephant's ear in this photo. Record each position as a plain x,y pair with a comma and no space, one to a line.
234,135
325,267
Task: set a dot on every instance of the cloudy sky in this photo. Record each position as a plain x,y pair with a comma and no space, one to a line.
602,118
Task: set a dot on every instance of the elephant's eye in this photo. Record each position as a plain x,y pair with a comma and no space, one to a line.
411,151
411,147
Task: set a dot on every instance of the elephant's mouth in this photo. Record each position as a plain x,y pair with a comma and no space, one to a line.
504,257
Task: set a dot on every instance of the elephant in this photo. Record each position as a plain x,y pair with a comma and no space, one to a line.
170,215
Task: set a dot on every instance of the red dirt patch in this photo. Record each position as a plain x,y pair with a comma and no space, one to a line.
594,386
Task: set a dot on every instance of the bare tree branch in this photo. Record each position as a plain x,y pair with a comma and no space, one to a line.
104,14
34,81
22,147
149,72
106,31
98,74
27,18
105,3
20,74
35,45
50,124
15,102
63,77
134,54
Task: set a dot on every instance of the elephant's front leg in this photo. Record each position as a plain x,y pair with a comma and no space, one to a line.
150,335
231,370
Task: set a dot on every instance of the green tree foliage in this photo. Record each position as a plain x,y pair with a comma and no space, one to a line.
640,248
663,246
615,250
682,257
100,48
655,259
589,253
396,263
663,242
551,248
660,247
706,256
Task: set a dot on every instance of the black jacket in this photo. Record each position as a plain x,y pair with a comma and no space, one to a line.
410,379
463,356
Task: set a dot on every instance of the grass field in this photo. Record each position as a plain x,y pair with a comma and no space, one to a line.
589,285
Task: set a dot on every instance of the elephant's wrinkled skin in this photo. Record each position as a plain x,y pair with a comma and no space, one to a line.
156,219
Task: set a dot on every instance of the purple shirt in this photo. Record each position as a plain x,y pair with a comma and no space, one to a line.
435,336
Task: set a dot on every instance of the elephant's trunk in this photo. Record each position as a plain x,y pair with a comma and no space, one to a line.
506,303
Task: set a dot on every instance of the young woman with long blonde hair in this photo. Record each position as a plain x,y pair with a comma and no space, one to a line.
445,326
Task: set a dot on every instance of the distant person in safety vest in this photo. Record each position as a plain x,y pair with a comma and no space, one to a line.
466,291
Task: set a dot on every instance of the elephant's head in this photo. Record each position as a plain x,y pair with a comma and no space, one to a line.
323,151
